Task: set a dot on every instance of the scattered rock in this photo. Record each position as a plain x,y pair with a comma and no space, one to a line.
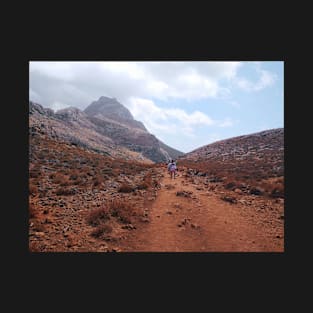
129,226
194,226
229,199
39,233
184,193
169,187
238,191
256,191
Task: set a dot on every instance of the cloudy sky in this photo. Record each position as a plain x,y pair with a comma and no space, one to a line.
184,104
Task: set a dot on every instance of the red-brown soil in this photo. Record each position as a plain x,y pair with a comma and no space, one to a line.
192,213
198,220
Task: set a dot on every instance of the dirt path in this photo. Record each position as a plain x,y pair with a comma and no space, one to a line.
198,221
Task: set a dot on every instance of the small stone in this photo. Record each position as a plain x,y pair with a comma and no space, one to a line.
39,233
194,226
116,250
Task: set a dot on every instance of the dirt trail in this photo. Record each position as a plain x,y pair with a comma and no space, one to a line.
198,221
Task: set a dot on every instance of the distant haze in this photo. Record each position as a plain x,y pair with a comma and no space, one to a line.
185,104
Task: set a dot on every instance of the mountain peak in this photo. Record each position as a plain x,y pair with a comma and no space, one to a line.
104,99
108,108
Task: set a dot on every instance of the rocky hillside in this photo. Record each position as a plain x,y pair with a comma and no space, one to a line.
265,145
72,188
105,126
253,162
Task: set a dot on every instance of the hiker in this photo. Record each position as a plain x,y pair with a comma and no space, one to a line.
168,166
172,169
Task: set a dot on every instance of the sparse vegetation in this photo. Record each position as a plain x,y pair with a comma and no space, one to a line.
65,191
98,216
31,211
250,176
101,230
123,210
32,189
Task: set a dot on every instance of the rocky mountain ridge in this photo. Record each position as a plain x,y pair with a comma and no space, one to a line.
105,126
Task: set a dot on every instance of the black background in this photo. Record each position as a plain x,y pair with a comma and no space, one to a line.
149,280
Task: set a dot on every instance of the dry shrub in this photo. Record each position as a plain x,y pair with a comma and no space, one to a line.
38,226
32,211
98,216
74,175
65,191
229,185
256,191
32,189
59,179
125,188
35,173
148,179
143,185
273,187
277,192
123,210
101,230
36,246
97,181
66,182
78,181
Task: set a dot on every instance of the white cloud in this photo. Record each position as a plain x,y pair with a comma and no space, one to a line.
265,79
58,70
172,121
159,80
131,69
195,118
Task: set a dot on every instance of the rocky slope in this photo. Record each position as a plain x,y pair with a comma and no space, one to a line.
84,201
105,126
251,163
258,145
69,187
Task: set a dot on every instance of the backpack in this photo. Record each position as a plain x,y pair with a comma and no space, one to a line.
172,166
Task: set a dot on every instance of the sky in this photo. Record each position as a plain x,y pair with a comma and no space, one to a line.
184,104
